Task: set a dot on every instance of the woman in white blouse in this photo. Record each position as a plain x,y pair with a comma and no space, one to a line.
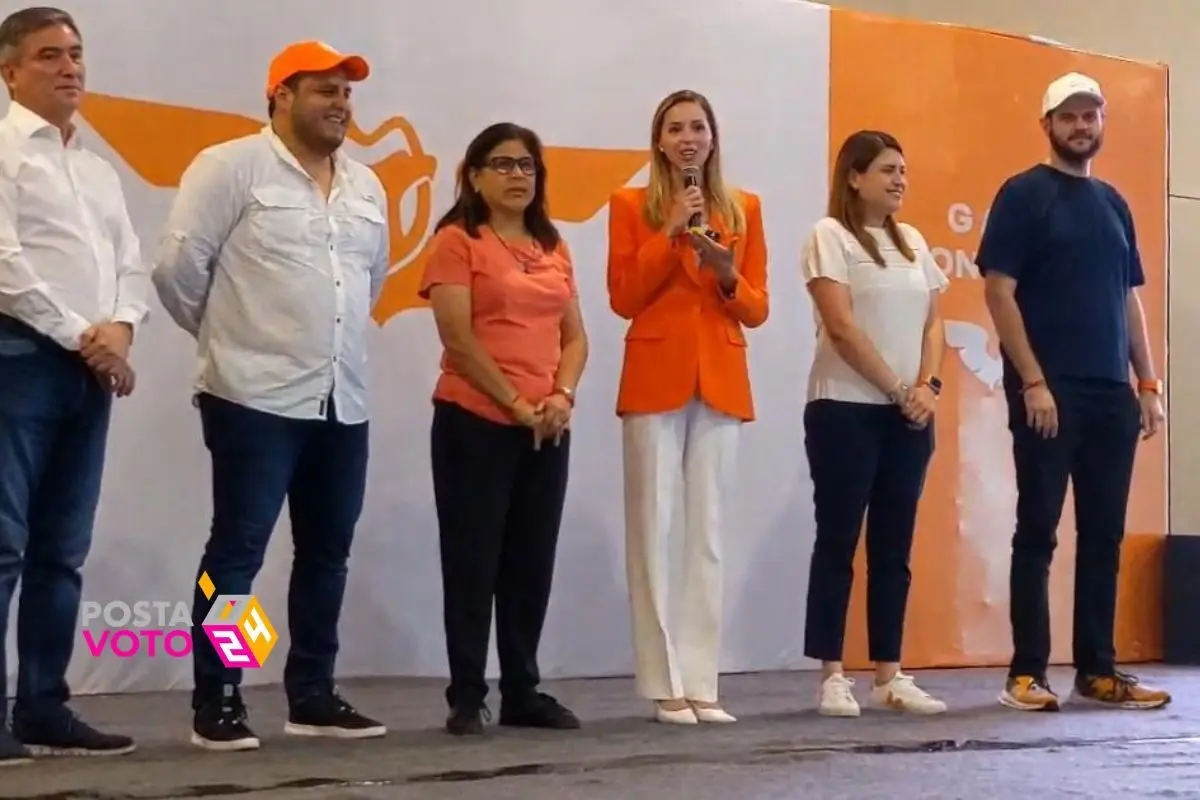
868,423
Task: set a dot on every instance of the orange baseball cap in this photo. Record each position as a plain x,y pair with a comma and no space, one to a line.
312,56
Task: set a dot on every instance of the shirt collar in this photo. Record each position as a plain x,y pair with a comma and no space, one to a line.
281,150
29,124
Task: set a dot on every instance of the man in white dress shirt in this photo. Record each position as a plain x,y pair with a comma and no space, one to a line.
72,293
275,252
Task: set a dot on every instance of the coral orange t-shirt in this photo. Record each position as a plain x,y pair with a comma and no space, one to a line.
518,298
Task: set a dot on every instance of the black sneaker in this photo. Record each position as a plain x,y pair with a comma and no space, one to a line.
467,719
12,752
538,711
67,735
222,724
330,715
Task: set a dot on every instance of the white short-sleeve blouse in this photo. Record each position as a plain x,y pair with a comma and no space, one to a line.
890,305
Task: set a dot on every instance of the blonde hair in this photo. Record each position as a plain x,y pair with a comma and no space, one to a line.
659,195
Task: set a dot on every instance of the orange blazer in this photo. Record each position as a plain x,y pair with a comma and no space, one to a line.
685,338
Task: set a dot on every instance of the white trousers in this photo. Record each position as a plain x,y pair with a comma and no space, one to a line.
693,449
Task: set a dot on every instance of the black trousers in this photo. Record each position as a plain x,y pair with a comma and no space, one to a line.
499,506
259,461
1095,447
864,459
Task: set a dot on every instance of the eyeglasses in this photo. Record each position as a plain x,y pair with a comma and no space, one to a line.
506,164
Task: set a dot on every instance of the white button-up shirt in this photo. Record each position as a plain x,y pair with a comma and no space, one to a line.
69,258
274,280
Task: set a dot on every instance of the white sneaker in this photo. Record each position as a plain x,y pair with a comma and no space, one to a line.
901,693
836,699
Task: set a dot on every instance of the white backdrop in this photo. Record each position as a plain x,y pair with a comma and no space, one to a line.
589,74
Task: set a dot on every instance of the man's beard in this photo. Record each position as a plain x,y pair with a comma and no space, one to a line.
313,136
1072,157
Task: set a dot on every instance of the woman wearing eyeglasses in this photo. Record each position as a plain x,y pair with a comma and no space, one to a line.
501,285
868,423
687,266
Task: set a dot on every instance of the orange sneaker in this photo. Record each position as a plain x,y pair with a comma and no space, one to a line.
1119,690
1027,693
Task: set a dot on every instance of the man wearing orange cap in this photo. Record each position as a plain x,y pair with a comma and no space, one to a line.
275,252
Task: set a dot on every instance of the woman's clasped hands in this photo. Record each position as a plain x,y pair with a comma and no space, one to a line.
919,405
547,419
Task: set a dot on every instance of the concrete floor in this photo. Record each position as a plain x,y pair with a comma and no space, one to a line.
780,750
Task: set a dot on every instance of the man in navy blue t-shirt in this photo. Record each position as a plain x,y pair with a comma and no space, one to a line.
1060,259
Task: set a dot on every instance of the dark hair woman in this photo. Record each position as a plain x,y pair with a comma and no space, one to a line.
502,288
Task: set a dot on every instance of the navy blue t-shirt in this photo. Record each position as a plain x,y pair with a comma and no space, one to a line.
1069,242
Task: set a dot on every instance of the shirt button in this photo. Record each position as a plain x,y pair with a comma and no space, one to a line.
338,320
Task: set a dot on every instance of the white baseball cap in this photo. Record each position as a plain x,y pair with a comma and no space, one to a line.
1069,86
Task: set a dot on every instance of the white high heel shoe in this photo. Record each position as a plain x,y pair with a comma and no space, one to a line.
677,716
713,715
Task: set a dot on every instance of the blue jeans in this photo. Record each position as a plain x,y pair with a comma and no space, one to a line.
53,432
258,461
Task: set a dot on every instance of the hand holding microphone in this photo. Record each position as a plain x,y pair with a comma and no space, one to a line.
689,204
705,241
693,196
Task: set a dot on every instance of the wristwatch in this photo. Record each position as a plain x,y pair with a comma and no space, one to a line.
899,393
934,383
1150,387
566,392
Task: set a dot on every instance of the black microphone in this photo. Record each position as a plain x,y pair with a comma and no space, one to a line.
691,177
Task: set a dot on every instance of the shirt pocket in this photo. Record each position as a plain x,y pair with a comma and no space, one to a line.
361,228
283,222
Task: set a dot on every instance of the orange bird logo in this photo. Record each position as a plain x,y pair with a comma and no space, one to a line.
158,141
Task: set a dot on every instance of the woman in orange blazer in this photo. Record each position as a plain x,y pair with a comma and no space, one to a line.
689,292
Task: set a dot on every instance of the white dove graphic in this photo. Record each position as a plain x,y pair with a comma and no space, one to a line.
971,342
